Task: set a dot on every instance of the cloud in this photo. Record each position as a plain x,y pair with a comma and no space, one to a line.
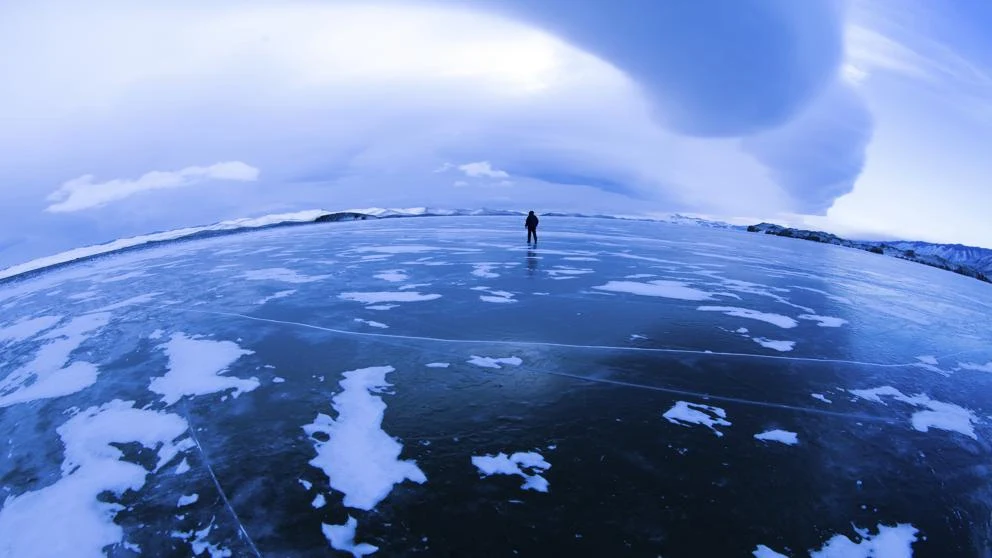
482,169
82,193
711,67
818,156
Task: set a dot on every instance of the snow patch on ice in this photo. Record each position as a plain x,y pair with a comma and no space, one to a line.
278,380
67,518
496,299
393,276
774,319
155,335
25,329
820,397
377,297
195,368
140,299
342,537
987,367
489,362
276,296
183,467
280,274
187,500
319,501
199,543
666,289
928,359
824,321
438,364
781,346
783,436
360,459
685,413
890,542
524,464
50,373
382,306
937,414
762,551
485,271
370,323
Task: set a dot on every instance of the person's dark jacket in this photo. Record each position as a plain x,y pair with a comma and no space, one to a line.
531,221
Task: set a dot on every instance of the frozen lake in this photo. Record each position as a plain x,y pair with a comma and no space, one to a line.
435,386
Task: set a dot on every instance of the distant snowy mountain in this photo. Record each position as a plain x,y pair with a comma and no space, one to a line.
301,218
964,260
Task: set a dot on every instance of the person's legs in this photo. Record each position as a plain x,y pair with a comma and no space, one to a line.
531,233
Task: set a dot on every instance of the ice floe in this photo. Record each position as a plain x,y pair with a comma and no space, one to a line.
782,436
489,362
51,373
371,323
25,329
195,368
685,413
666,289
342,537
824,321
395,296
282,274
359,458
774,319
73,516
781,346
525,464
936,414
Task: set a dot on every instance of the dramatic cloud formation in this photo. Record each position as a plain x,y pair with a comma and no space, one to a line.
82,193
765,109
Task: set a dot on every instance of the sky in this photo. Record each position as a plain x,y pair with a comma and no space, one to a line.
870,119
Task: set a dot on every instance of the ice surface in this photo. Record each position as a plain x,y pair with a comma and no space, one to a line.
774,319
67,518
438,364
783,436
371,323
890,542
781,346
185,500
762,551
195,368
140,299
392,275
666,289
342,537
685,413
50,373
821,397
359,458
26,329
282,275
824,321
940,415
524,464
278,295
396,296
489,362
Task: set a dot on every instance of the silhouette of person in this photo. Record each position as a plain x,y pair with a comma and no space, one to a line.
531,225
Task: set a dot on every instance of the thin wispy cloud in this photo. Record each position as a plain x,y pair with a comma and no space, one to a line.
83,193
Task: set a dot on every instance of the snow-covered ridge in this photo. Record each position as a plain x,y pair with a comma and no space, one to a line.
298,218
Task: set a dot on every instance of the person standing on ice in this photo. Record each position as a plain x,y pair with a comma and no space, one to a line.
531,225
